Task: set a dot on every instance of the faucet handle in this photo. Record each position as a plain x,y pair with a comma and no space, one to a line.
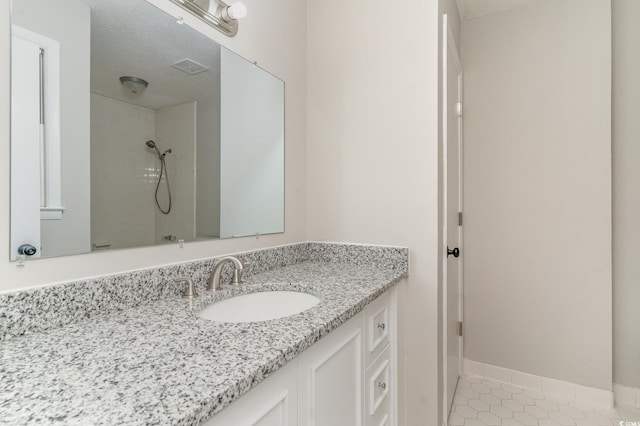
237,272
190,291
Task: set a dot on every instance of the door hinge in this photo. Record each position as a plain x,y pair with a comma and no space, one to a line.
459,218
460,328
459,109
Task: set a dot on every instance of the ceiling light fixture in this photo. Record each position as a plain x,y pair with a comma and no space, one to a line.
134,85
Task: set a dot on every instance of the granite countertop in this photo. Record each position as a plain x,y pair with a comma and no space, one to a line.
160,363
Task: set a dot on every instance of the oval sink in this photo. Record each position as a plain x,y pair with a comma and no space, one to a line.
261,306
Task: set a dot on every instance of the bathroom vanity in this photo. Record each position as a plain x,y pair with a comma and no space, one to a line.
346,378
195,123
158,362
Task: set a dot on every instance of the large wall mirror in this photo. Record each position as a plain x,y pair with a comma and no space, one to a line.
129,128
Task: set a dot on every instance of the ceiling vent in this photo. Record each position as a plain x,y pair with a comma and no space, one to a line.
189,66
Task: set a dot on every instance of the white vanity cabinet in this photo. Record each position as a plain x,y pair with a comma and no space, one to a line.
274,402
346,378
380,377
330,385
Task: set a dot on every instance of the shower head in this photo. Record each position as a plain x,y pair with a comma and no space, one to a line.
152,144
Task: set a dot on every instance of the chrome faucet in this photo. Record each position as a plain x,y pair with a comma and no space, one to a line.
214,278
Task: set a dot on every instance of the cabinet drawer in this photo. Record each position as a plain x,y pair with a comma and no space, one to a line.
378,326
378,388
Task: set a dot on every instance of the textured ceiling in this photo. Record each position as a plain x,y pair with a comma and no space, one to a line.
470,9
134,38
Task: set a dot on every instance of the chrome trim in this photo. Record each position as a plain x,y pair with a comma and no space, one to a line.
220,20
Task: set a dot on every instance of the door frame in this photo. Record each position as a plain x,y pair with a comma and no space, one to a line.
449,48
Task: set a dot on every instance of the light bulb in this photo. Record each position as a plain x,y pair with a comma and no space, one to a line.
237,11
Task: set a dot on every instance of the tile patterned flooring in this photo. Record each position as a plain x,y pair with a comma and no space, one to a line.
482,402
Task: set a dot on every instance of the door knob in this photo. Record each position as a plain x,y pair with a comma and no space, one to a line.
455,252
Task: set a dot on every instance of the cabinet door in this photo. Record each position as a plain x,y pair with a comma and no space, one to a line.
330,378
272,403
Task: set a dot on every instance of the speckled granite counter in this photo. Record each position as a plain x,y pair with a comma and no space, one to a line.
159,363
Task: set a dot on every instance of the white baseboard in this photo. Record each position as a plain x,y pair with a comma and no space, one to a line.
570,392
626,395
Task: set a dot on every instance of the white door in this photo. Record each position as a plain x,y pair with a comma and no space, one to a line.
452,149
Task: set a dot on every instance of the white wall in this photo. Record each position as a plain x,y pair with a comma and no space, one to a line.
373,159
538,190
273,34
122,181
626,195
176,130
71,234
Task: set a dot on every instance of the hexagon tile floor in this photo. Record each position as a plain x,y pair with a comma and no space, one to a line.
481,402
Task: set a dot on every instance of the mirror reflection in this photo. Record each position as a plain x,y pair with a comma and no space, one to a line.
131,129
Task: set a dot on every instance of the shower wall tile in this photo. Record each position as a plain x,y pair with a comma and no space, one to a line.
122,173
176,130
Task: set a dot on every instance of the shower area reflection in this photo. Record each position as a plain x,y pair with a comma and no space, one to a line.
132,203
145,103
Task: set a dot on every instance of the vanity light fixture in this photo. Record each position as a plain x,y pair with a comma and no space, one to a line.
234,12
219,15
134,85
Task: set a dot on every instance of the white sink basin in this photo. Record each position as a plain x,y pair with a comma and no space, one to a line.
262,306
